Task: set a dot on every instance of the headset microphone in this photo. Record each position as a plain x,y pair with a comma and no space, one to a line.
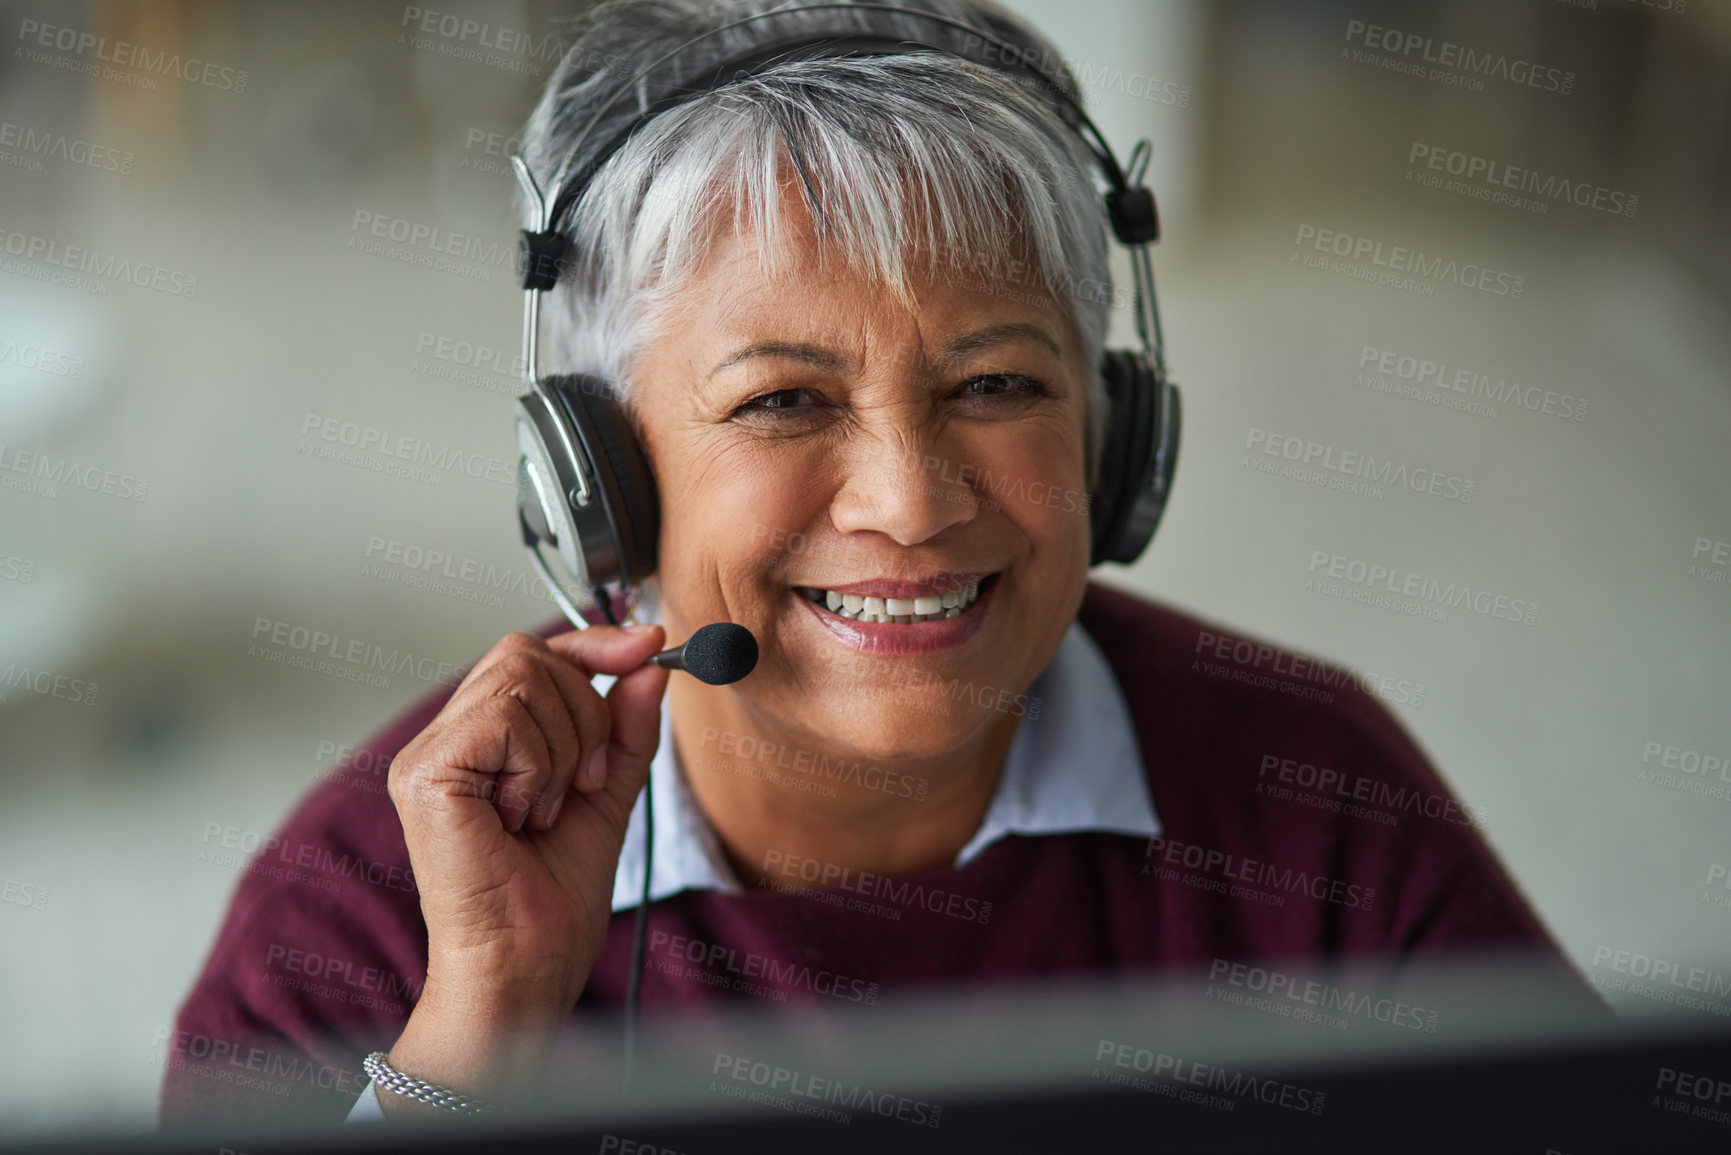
717,654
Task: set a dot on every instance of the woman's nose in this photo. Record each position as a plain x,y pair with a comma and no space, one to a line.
900,484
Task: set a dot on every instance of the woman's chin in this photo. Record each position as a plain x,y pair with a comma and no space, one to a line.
895,725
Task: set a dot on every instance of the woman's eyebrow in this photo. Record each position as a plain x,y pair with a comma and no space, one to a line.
814,355
970,343
959,349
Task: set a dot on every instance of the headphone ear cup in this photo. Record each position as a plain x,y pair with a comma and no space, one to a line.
1129,438
1139,459
628,492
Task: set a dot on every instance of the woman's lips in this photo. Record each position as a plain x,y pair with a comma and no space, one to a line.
910,637
937,585
922,607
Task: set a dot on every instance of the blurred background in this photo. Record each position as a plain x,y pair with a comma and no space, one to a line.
194,294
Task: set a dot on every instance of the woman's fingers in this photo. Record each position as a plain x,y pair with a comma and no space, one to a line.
550,684
589,714
493,750
503,736
526,677
635,704
620,652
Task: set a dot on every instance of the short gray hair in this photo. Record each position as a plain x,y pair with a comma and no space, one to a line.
923,151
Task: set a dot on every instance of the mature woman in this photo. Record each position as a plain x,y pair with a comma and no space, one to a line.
828,292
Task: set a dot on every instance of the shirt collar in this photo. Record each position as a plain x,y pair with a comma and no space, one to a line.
1074,765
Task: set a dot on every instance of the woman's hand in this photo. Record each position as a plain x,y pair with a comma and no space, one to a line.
514,801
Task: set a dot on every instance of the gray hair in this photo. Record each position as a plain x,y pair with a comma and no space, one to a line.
922,152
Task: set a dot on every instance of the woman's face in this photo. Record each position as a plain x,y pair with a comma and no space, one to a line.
810,432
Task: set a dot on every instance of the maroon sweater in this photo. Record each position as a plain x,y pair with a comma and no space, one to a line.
1299,822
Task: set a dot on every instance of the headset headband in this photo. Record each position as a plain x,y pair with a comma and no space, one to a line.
812,45
1129,203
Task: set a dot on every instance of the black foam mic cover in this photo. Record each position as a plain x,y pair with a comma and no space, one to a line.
717,654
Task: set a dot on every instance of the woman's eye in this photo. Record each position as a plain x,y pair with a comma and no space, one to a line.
780,401
1001,385
787,404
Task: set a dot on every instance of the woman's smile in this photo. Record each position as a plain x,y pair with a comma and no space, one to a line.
935,616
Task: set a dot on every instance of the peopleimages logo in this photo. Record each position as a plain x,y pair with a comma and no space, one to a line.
38,39
717,960
1716,568
463,38
1445,61
40,474
1359,580
1337,468
20,893
398,454
1399,266
1283,989
901,892
1258,664
17,569
1167,856
432,238
471,355
47,683
40,358
1165,1068
324,865
1339,791
790,1090
334,978
428,246
228,1062
304,647
33,145
1662,971
1504,184
816,764
1707,1091
1691,771
1473,385
451,575
495,149
107,266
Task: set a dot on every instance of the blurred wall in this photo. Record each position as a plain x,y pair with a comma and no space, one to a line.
1504,275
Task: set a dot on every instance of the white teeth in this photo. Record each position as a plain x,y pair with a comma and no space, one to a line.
902,611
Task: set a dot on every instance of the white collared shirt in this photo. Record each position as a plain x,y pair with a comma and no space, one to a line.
1074,767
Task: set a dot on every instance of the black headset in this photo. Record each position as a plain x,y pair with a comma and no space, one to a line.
584,486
